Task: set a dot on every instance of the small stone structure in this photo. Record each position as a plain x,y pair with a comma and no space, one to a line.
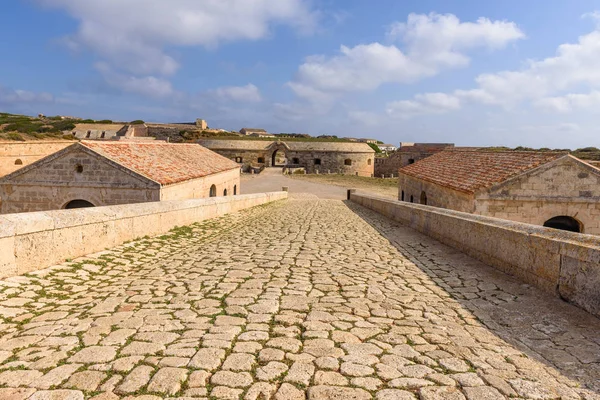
408,153
96,173
201,124
541,188
109,131
250,131
314,157
16,155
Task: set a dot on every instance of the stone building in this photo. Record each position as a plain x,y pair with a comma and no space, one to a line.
109,131
408,153
96,173
250,131
16,155
314,157
541,188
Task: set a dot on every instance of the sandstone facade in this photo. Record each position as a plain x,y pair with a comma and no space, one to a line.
94,173
556,186
16,155
314,157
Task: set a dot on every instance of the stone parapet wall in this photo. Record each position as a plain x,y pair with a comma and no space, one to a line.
563,263
33,241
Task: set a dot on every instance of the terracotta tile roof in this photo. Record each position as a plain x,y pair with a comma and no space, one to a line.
165,163
467,170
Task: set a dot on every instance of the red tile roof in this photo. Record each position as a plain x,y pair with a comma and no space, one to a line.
467,170
165,163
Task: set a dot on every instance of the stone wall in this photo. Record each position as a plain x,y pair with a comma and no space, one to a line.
15,155
437,196
406,155
563,263
362,164
200,188
33,241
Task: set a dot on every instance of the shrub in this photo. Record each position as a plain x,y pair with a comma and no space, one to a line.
15,136
375,147
137,122
104,121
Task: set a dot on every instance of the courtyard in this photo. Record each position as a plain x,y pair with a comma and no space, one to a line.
303,298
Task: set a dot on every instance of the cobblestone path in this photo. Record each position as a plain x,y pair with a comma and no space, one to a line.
303,298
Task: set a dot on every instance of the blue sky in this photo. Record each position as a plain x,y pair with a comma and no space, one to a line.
469,72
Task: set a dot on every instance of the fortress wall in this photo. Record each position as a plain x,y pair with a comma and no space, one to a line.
33,241
563,263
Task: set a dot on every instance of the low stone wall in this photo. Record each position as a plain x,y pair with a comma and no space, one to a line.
32,241
563,263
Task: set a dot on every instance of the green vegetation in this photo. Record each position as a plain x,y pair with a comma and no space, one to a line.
375,147
137,122
13,127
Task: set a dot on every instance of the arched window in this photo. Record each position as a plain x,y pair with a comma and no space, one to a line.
224,192
402,198
347,161
234,190
411,161
261,160
238,159
564,223
423,198
317,161
213,191
18,161
411,199
79,168
369,161
78,204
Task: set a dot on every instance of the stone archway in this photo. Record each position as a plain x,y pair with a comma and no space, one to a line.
278,158
78,204
279,154
564,223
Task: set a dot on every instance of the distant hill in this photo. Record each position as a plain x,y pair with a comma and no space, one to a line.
22,127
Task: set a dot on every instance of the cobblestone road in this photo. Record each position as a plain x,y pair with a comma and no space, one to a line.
302,298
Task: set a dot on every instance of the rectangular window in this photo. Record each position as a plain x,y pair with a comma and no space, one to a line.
317,161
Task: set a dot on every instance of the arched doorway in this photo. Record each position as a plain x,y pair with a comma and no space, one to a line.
278,159
213,191
224,192
423,198
564,223
78,204
234,190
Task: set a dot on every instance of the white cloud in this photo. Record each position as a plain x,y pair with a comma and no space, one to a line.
441,39
14,96
427,103
546,83
432,43
133,34
243,94
147,85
